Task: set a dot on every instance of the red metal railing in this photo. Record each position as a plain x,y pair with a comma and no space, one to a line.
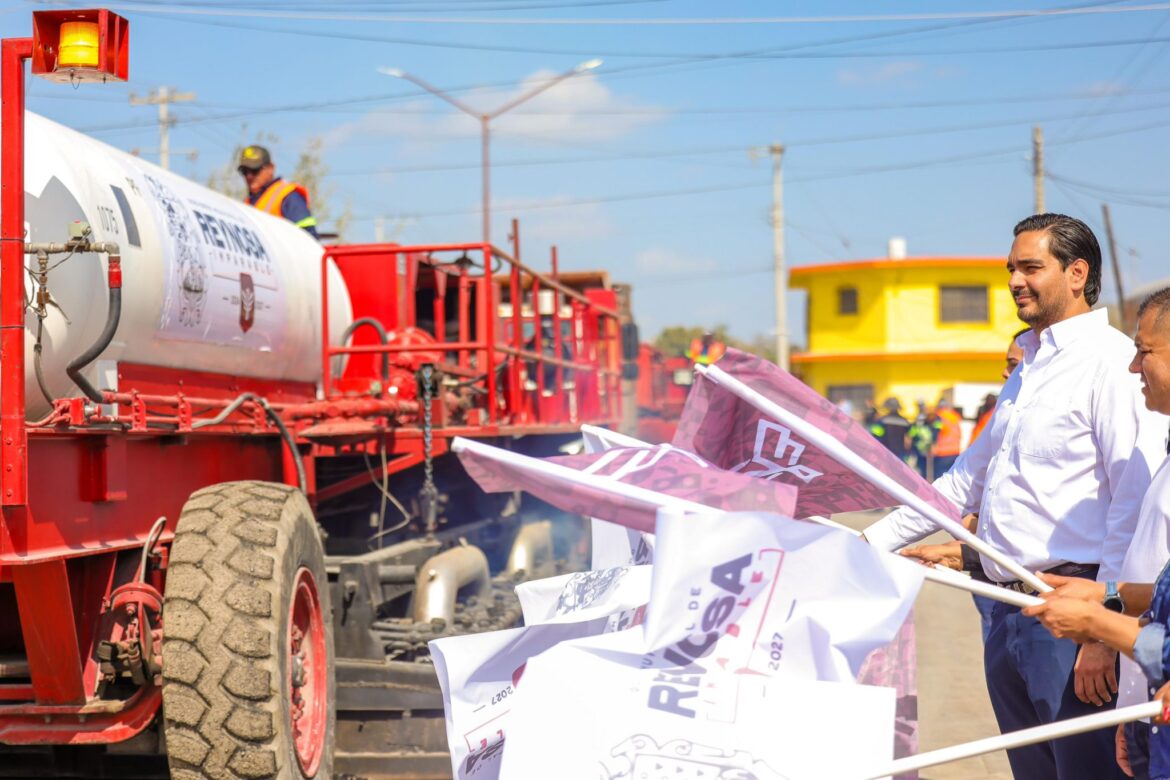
490,342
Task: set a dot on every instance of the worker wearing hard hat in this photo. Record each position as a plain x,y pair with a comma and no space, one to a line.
273,195
706,349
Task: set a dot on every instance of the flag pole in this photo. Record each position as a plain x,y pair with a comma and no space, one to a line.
649,498
1016,739
866,470
613,438
951,578
660,501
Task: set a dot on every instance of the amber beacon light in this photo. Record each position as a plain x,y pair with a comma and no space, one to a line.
80,46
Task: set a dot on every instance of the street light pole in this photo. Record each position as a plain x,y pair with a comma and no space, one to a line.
485,121
779,270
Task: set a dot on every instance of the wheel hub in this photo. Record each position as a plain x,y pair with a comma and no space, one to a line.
307,673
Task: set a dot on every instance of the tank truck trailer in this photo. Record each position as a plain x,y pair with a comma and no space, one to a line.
230,520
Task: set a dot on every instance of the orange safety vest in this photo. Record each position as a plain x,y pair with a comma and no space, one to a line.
980,424
949,441
271,200
713,353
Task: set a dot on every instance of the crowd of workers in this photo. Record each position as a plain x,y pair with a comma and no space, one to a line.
933,440
930,442
1068,477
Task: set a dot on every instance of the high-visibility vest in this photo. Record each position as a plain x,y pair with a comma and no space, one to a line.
949,441
980,424
706,358
272,199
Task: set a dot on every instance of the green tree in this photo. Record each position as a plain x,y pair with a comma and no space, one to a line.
676,340
310,171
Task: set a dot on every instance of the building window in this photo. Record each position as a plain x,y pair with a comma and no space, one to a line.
966,303
846,300
856,395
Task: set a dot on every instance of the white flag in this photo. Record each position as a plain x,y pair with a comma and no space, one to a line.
586,713
758,593
478,674
619,594
613,544
746,611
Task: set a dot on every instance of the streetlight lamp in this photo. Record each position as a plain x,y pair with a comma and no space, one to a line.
486,118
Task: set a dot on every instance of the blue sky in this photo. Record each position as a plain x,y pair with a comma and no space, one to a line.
915,127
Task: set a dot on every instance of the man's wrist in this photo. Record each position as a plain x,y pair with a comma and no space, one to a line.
1112,600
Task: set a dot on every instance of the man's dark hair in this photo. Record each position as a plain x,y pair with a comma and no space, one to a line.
1158,301
1069,240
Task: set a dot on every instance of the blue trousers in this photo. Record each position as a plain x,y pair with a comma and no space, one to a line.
1029,677
1137,739
984,605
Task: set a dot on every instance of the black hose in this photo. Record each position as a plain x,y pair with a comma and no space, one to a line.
385,338
290,442
285,434
113,317
37,367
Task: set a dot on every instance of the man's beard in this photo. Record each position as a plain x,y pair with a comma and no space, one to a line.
1044,311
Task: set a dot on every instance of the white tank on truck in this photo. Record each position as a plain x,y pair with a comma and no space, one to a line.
210,284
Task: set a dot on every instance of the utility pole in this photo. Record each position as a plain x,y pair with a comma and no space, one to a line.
163,97
1116,268
485,120
1038,168
779,272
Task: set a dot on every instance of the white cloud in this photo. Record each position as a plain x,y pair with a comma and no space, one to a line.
581,108
899,70
662,262
1104,88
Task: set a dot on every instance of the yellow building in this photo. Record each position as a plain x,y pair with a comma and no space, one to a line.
908,328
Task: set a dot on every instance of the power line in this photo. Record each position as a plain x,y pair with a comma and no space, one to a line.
675,66
689,56
1109,189
1134,58
211,10
1068,187
729,149
985,154
324,106
437,7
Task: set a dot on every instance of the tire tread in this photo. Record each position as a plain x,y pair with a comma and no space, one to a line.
221,708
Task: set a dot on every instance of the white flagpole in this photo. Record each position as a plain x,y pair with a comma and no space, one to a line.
614,438
865,470
951,578
654,499
1015,739
649,498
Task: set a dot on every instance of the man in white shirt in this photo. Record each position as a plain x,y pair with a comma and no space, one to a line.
1055,487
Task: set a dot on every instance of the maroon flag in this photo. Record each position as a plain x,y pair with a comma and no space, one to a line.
662,469
734,435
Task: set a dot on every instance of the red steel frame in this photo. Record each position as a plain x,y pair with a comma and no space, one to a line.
594,348
97,490
100,482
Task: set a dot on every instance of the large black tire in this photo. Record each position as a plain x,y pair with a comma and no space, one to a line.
240,551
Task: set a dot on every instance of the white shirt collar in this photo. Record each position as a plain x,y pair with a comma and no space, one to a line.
1066,332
